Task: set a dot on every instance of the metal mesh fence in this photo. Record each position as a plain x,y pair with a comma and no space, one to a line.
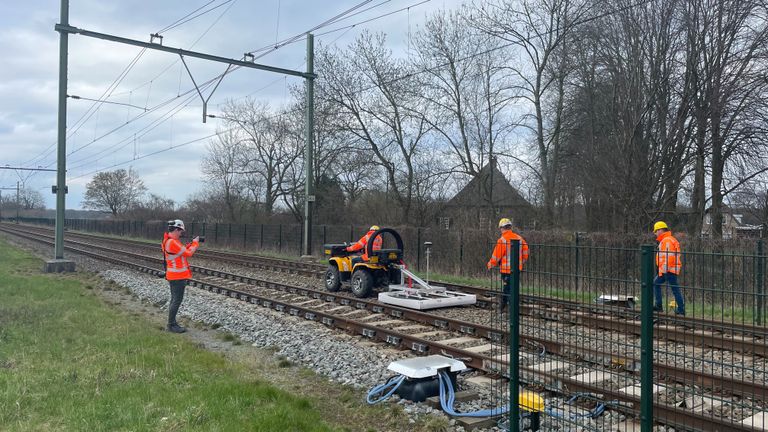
583,337
592,347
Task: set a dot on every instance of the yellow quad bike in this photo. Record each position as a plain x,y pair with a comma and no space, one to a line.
363,276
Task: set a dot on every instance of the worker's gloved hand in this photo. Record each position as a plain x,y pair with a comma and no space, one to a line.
196,239
489,266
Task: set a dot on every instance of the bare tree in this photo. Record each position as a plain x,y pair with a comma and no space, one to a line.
113,191
220,167
154,207
537,29
267,155
734,45
463,85
31,199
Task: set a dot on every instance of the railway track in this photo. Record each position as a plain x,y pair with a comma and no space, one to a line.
476,344
713,334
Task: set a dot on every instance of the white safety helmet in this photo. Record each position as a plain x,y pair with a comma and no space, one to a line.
176,223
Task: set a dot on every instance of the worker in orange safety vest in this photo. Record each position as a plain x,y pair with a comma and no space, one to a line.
502,256
177,270
361,244
669,263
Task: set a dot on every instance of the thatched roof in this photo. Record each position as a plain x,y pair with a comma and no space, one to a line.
488,189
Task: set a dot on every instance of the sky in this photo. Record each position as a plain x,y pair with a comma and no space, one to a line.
154,106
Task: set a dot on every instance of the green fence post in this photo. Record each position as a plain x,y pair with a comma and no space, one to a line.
280,239
576,261
261,237
646,339
759,274
216,233
245,236
324,234
461,252
514,337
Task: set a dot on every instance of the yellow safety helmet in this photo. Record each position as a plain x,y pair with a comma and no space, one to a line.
374,228
504,222
659,225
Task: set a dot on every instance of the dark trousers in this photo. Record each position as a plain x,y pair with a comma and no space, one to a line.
177,295
506,289
670,278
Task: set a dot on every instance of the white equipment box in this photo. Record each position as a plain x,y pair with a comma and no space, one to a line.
417,294
425,367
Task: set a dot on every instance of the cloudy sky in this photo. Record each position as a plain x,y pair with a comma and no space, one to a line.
154,104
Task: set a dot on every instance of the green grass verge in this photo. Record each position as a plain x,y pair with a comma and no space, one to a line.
68,362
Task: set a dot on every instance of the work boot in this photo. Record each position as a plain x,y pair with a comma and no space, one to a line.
176,328
658,308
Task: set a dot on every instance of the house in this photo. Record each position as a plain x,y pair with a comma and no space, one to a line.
736,223
486,198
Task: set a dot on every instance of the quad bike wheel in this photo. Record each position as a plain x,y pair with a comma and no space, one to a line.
332,279
362,283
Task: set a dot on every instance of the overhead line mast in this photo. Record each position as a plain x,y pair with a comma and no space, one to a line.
64,29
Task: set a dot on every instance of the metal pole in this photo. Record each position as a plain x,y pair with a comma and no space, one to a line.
309,196
61,164
514,337
759,274
646,340
18,202
577,263
418,249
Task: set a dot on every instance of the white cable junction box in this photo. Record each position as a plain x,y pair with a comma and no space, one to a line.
425,367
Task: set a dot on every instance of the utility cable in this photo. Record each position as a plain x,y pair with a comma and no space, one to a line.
200,14
112,87
347,27
176,23
90,111
287,41
173,147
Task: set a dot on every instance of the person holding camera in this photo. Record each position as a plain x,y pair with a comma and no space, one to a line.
177,270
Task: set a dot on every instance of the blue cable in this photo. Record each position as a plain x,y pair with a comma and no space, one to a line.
599,409
384,390
448,398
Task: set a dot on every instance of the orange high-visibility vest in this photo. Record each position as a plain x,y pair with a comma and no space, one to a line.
360,244
176,254
501,253
668,258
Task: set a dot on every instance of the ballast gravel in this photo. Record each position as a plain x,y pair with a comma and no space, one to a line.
341,358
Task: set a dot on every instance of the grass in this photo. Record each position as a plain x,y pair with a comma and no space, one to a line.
70,361
698,309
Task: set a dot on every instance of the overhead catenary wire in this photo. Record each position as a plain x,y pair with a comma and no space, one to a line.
351,26
230,70
146,129
185,19
173,147
490,50
110,89
410,74
90,111
299,36
160,105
